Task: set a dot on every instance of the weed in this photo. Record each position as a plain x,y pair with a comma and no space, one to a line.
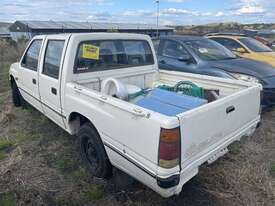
4,144
4,77
4,147
272,169
65,202
64,164
22,137
7,200
2,156
81,173
95,193
235,148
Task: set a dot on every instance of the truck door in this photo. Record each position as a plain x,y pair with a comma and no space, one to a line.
50,78
28,75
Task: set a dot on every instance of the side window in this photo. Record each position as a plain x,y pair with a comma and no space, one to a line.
30,60
52,58
228,43
94,56
173,49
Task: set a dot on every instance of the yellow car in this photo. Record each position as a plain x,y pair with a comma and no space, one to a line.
246,47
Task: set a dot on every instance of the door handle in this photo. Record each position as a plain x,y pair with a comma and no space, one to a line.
34,81
230,109
162,62
54,91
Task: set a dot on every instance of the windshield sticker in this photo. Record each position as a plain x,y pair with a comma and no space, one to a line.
90,52
203,50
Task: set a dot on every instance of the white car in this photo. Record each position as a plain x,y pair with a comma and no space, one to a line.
83,82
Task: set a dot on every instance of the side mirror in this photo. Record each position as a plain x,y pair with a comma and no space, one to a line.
185,58
240,50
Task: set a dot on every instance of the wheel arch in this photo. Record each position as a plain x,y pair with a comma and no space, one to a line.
76,120
12,79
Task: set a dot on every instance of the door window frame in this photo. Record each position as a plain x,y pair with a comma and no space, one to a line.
26,52
61,60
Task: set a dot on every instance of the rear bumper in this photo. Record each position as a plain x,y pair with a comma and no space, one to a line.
189,171
168,182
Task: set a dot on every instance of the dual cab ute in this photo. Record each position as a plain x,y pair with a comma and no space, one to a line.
107,89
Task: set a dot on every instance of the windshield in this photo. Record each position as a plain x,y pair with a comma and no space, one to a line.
255,45
210,50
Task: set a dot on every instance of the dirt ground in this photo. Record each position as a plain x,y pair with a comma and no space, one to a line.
40,165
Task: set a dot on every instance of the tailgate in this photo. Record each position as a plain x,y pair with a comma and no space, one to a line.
205,129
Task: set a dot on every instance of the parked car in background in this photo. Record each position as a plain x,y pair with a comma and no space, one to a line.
246,47
200,55
264,41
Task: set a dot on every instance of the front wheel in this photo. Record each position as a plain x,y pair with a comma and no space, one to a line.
93,152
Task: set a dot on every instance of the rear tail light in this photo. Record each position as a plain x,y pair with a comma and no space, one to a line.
169,148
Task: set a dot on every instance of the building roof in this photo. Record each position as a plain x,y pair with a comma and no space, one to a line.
69,25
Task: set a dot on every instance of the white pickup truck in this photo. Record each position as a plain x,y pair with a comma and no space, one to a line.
82,82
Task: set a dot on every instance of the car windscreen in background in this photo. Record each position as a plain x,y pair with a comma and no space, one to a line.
255,45
102,55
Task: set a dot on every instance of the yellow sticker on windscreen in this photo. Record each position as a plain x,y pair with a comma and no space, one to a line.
90,52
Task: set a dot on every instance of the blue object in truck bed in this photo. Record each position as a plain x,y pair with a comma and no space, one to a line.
169,103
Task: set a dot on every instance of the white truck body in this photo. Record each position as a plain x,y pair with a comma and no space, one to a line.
131,134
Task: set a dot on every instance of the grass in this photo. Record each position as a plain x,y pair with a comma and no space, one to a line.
7,200
3,155
64,163
25,137
4,144
81,173
46,162
4,77
4,147
95,193
272,169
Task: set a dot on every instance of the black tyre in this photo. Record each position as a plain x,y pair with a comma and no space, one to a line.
93,153
16,96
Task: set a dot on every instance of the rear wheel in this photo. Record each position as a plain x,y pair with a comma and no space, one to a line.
93,153
16,96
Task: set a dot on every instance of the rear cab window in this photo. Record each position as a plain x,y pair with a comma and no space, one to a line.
103,55
30,59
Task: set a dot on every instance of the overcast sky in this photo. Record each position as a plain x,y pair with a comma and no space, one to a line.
172,12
